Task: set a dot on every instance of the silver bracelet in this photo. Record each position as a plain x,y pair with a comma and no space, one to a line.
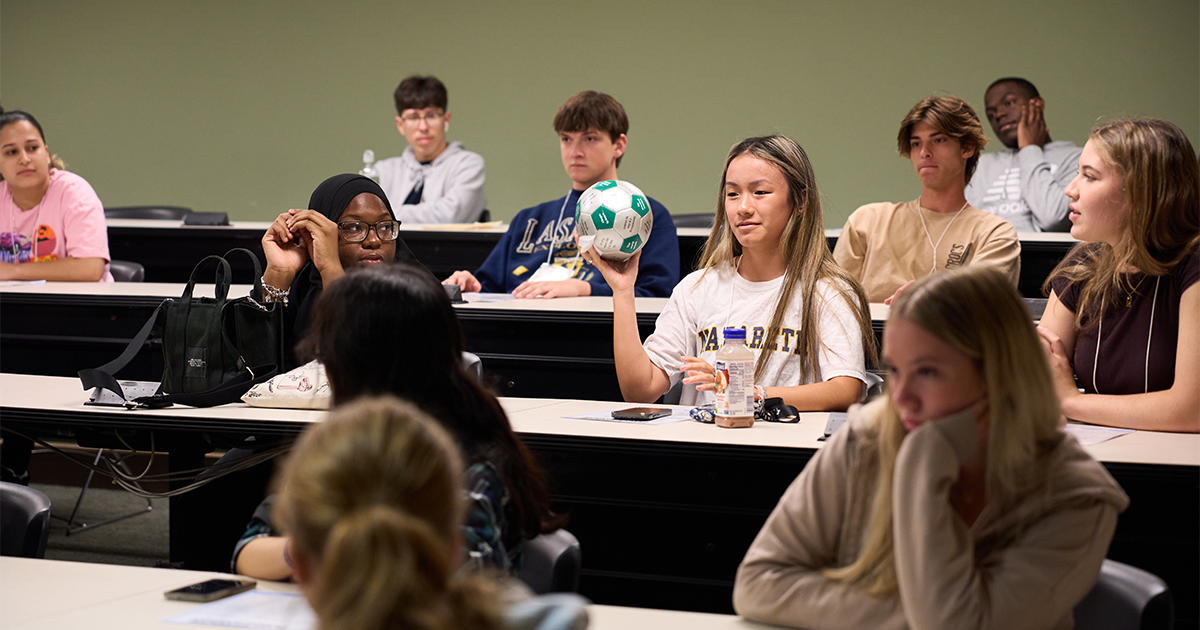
274,294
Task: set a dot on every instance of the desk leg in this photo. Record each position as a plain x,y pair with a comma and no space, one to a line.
185,454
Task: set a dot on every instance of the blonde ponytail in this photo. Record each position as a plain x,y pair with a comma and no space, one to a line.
372,501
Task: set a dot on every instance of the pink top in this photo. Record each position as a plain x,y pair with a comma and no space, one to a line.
68,223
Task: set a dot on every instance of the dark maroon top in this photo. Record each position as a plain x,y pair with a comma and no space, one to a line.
1123,364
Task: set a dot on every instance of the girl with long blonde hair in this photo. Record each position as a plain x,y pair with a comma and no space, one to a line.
1124,308
952,502
371,501
767,268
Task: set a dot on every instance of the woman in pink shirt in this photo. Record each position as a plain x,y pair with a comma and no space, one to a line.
51,221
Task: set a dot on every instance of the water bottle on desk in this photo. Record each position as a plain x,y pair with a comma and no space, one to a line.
368,169
735,381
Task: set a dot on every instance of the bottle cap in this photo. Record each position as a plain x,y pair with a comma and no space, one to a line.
735,334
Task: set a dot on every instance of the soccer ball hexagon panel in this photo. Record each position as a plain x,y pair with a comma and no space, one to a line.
617,214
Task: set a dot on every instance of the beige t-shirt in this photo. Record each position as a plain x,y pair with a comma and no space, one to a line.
884,244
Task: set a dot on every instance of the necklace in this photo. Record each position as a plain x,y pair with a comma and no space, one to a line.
1132,292
928,237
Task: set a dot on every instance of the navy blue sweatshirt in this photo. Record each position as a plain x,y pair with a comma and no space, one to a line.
527,244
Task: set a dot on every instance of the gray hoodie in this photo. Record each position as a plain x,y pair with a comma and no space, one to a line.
1026,187
453,185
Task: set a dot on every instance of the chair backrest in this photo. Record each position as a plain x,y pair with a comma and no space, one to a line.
127,271
702,219
1126,598
162,213
551,562
473,365
24,521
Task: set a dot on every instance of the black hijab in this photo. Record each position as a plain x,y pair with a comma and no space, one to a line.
330,199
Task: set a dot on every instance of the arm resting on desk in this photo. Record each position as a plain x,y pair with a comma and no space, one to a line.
61,270
1175,409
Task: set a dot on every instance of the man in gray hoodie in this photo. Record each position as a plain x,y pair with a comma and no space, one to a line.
433,181
1024,183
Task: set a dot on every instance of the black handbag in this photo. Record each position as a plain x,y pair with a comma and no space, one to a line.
214,349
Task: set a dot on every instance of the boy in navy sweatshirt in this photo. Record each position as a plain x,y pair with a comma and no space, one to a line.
591,130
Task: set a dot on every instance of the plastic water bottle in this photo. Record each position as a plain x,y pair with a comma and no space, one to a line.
735,381
368,169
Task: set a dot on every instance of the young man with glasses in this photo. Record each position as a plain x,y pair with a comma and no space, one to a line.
538,257
432,181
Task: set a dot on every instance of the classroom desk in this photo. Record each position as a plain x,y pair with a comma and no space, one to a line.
664,513
57,595
169,250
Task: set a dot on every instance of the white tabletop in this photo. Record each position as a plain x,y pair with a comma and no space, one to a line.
57,595
203,288
493,227
543,416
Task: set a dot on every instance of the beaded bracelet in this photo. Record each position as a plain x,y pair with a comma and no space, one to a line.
274,294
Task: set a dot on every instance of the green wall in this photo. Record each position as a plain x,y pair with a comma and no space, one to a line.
244,106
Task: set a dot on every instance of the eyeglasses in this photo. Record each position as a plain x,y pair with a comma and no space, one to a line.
357,231
430,118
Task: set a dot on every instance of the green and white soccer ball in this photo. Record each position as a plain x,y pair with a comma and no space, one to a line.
618,215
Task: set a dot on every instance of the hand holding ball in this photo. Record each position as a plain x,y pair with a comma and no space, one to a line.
618,215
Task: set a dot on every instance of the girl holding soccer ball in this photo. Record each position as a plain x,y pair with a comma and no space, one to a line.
766,267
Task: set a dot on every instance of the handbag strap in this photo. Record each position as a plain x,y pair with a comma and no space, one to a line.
221,279
258,272
227,392
103,376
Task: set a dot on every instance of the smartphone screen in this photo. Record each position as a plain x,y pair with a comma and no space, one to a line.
210,590
641,413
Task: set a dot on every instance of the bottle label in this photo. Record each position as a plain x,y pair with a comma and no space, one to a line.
735,388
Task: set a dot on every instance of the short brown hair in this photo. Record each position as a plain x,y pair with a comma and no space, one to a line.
592,110
418,92
950,115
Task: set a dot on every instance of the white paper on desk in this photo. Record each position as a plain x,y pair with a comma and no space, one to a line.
258,610
1088,436
676,416
487,297
20,283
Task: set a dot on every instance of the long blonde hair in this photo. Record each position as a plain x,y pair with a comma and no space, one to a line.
372,498
1160,177
805,251
976,311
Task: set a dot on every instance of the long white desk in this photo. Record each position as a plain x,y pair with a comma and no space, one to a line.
56,595
695,494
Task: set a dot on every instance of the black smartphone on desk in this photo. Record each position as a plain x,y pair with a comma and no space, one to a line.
210,590
640,413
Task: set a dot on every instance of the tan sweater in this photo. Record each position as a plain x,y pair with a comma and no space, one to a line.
1025,567
884,244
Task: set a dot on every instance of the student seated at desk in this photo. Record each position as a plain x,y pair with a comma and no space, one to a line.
1124,308
885,246
766,267
433,181
371,501
349,224
52,226
538,257
392,330
951,502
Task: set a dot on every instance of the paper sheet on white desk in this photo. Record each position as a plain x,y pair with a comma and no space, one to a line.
487,297
1088,436
258,610
676,416
20,283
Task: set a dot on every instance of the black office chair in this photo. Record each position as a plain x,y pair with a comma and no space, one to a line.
1126,598
24,521
702,220
162,213
550,563
127,271
484,216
